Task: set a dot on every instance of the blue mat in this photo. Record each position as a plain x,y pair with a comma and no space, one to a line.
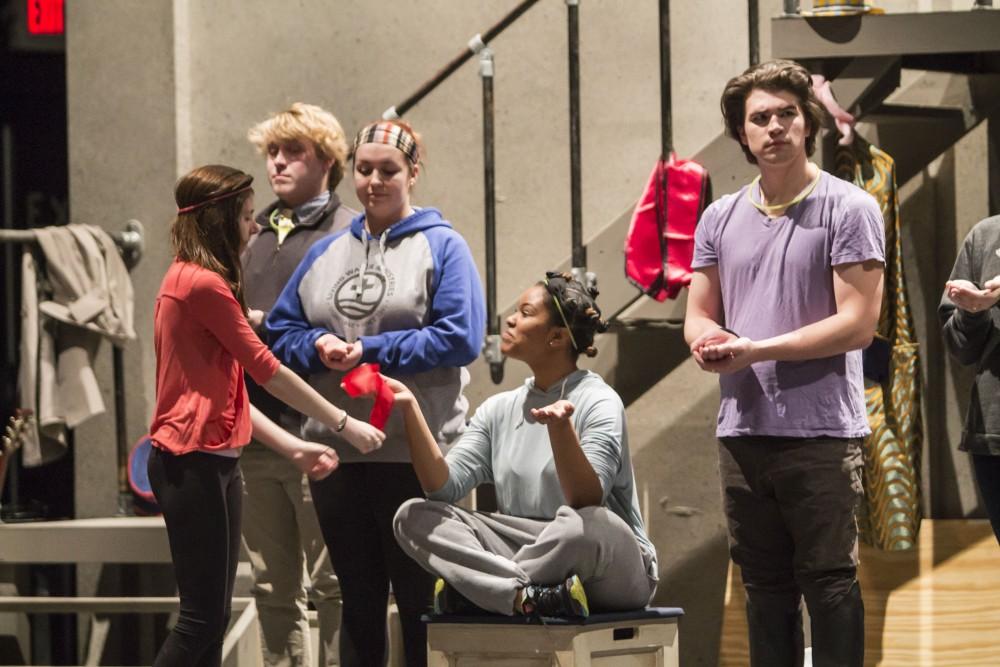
138,478
594,619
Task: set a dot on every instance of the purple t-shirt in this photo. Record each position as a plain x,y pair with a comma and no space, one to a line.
776,276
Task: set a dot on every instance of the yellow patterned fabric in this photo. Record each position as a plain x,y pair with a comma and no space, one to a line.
890,516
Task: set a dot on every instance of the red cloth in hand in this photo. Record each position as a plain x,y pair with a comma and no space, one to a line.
366,381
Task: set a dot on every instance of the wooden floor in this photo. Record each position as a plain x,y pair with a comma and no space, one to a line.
938,605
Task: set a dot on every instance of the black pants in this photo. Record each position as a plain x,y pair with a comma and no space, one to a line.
790,505
201,496
356,505
987,469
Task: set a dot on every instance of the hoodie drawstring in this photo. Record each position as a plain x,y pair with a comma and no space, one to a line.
366,237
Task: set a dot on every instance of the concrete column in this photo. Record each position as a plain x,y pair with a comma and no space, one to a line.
122,164
122,107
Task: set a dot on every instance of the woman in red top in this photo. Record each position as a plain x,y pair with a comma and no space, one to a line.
203,418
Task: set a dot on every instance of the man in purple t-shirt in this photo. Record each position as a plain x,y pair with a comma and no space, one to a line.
786,292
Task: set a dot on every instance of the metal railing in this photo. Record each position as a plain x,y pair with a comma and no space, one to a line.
475,45
479,45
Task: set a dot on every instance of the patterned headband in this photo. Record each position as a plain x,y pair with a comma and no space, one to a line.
212,200
392,134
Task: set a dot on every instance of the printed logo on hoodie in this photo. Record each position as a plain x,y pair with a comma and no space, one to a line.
359,299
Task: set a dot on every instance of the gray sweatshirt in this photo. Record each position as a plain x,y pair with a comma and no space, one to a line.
974,338
504,445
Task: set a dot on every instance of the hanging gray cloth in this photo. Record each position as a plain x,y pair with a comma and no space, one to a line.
82,294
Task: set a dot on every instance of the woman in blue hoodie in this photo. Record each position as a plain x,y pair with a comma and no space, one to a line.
398,288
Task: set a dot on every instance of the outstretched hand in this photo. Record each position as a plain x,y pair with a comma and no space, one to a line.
315,460
362,436
401,393
554,413
968,297
399,390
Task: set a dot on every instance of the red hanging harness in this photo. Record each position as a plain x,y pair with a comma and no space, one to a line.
660,242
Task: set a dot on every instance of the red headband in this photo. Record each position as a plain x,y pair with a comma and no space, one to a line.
212,200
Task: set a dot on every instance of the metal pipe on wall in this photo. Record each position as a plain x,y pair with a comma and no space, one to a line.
491,347
579,255
666,113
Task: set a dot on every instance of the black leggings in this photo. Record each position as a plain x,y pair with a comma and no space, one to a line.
987,469
356,505
201,497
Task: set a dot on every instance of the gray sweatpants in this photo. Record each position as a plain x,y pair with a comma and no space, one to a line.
488,557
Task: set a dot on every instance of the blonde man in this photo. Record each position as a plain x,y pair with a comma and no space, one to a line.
306,152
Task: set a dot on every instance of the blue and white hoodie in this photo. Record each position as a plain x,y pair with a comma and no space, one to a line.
412,296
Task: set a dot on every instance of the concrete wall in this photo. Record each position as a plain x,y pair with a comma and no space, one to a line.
122,162
160,86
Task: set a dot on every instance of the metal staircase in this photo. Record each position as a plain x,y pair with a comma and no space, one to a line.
952,85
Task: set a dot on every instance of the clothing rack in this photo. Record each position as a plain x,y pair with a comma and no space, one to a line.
130,241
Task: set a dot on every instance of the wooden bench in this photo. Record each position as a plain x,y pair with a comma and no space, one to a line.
645,637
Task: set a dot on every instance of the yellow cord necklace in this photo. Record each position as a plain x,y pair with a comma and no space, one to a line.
767,209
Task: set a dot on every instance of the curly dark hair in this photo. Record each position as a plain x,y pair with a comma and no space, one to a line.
574,306
775,75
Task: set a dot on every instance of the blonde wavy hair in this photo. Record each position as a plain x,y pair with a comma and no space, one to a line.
306,122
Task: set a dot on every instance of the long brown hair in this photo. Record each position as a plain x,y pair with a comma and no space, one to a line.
209,235
776,75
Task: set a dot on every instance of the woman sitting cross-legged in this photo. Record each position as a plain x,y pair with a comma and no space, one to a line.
568,537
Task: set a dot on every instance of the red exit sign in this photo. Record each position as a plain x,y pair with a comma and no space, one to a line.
45,17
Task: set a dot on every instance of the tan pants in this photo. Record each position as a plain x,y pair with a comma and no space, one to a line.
290,564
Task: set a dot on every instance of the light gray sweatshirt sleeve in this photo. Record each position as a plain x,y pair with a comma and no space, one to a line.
470,460
601,433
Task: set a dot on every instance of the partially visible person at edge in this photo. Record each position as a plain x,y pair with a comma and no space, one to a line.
786,292
971,326
398,288
306,153
203,418
568,537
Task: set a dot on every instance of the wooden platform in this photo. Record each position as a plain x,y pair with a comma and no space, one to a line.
936,605
644,638
133,539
